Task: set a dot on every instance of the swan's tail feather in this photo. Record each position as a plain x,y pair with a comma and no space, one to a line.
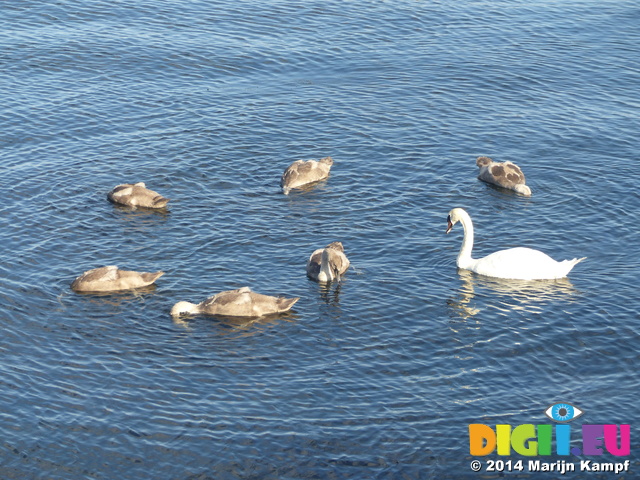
570,264
285,304
159,201
151,277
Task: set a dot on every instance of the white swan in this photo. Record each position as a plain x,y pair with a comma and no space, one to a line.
137,195
110,278
236,303
327,264
303,172
518,263
506,175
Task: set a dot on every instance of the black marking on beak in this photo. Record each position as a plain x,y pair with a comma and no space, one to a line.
449,224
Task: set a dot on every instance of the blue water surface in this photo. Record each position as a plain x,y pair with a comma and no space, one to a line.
207,102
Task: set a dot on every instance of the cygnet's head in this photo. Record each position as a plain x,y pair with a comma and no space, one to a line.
183,308
483,161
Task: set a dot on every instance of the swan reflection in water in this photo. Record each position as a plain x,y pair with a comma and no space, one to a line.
330,293
512,294
236,326
115,298
140,219
136,213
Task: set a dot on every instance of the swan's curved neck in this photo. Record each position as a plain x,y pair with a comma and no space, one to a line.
464,257
325,275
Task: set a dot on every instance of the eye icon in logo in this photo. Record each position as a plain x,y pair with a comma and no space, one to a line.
563,412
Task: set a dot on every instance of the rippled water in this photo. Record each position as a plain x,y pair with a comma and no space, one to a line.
378,377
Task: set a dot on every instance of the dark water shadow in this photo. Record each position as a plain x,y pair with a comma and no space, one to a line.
309,187
120,294
141,211
496,191
113,300
330,292
236,326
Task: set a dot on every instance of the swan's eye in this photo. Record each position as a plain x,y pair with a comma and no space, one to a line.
563,412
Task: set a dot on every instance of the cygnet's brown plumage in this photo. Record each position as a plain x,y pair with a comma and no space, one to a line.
137,195
506,175
236,303
110,278
303,172
328,263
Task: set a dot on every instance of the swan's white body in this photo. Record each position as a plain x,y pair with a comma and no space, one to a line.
518,263
236,303
327,264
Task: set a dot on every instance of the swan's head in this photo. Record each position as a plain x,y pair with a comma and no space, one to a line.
327,160
183,308
454,217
